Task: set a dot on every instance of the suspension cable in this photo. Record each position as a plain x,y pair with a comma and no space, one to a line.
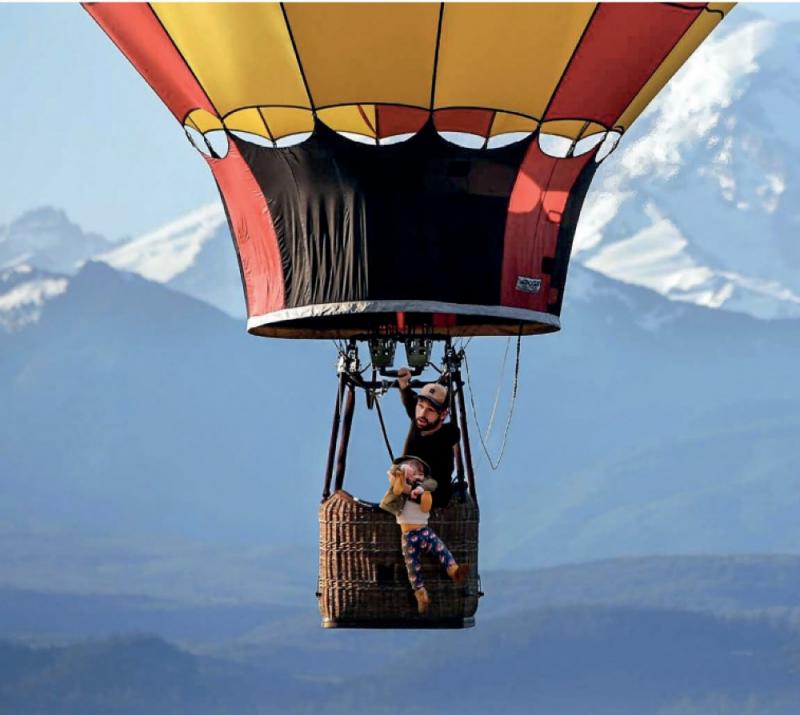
383,426
494,464
493,414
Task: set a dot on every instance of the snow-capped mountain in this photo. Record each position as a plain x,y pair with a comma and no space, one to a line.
698,201
41,250
168,251
193,254
46,239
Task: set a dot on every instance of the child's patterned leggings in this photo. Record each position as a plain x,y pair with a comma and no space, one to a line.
417,541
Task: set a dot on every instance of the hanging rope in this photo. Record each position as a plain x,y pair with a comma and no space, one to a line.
493,414
383,427
494,464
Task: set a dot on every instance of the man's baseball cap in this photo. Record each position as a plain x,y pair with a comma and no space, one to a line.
434,393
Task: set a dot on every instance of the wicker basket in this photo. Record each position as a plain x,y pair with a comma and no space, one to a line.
362,576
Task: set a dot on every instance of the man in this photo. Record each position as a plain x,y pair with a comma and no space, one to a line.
430,438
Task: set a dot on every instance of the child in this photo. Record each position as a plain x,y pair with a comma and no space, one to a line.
409,499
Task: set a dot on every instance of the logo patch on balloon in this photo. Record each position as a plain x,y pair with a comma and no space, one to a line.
528,285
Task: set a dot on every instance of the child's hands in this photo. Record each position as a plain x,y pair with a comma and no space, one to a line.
395,472
414,483
417,492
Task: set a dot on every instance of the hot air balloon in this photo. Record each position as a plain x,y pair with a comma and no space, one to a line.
410,173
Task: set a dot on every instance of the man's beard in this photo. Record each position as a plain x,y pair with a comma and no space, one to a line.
425,426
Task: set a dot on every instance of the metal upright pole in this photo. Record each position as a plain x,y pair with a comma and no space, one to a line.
341,458
462,413
337,411
456,421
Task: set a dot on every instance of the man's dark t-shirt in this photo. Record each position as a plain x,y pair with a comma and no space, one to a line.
436,449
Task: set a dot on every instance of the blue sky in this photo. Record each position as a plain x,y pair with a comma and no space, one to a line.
83,132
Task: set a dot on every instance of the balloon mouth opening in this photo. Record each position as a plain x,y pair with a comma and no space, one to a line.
364,321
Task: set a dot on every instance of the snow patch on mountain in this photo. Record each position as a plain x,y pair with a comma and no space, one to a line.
659,257
167,252
23,294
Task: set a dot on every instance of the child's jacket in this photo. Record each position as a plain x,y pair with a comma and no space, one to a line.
394,503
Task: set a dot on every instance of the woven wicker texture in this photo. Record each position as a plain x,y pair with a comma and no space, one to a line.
362,575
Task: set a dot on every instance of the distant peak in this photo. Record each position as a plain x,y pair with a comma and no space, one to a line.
42,216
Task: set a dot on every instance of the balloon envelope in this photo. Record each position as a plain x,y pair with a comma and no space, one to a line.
397,165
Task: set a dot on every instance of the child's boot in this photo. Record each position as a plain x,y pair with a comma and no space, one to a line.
423,601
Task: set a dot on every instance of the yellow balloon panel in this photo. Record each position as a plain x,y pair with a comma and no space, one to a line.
572,128
284,121
510,60
241,53
358,119
271,122
202,121
506,123
366,52
248,120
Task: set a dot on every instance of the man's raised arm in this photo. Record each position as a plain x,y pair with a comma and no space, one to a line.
407,395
